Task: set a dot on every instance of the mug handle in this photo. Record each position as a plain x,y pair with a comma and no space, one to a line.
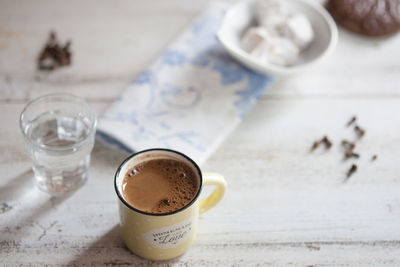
219,191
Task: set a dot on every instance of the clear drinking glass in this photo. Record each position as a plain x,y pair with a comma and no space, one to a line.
59,132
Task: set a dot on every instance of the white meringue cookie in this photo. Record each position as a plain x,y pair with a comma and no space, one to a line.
277,50
299,30
252,37
280,36
270,14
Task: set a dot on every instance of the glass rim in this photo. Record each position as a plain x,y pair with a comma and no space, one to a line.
66,95
131,207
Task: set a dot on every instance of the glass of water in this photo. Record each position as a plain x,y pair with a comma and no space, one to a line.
59,132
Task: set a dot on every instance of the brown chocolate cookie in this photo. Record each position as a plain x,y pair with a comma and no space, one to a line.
367,17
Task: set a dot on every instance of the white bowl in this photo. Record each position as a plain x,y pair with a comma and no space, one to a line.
241,15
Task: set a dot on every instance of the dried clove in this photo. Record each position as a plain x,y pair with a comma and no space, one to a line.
348,145
351,154
352,120
53,55
360,132
64,57
315,145
327,142
352,170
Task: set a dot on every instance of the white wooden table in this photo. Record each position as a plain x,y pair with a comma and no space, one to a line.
284,205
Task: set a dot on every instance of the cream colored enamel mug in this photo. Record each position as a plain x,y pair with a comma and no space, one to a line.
164,236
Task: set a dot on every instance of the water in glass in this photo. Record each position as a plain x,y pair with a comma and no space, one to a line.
60,147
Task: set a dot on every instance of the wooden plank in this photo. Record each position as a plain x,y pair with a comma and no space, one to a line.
112,42
284,205
116,40
358,68
109,251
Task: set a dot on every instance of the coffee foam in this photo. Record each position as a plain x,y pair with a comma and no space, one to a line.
160,185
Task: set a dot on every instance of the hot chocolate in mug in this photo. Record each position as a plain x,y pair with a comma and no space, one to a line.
167,235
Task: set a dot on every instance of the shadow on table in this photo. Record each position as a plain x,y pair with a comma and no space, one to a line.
17,186
106,156
109,250
25,206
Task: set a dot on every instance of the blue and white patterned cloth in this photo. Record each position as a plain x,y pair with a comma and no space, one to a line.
189,100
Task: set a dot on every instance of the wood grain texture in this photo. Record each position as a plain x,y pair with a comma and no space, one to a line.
111,42
284,205
116,40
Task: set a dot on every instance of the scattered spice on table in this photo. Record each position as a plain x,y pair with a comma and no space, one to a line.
347,145
350,154
360,132
351,121
325,140
352,170
315,145
54,55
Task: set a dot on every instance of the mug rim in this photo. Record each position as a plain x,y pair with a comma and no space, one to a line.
121,198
